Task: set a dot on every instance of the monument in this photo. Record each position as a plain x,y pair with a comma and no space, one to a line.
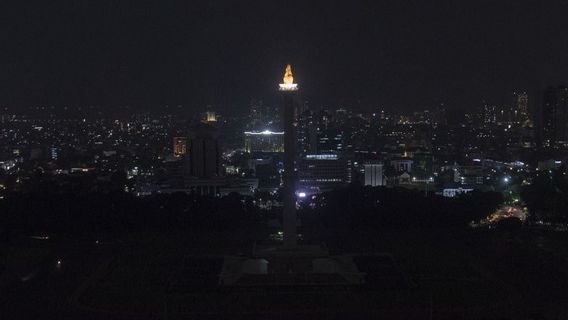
289,219
289,264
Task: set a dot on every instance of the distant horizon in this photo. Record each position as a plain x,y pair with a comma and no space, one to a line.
534,96
402,56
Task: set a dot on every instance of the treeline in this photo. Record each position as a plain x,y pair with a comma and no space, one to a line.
67,212
73,214
373,207
547,197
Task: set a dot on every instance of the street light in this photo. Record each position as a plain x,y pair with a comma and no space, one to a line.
507,190
427,185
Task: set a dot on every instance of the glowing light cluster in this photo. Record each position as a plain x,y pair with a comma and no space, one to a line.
265,133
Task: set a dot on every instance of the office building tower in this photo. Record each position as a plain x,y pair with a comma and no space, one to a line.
323,172
489,114
307,133
374,174
203,151
331,141
553,117
179,146
210,117
264,141
521,109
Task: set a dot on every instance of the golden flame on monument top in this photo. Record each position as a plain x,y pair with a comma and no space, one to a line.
288,78
288,84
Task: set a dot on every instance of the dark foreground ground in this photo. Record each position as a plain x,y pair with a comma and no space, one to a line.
458,274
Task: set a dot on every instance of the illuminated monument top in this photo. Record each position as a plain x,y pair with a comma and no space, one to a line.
288,84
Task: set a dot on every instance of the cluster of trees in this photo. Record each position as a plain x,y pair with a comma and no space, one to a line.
547,197
56,209
371,207
73,213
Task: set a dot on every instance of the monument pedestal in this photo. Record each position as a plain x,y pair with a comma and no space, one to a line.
290,251
301,265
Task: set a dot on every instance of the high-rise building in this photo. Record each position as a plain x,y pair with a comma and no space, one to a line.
553,117
323,172
521,109
255,113
262,117
54,154
210,117
374,174
331,141
180,146
264,141
401,164
307,133
489,114
522,102
204,152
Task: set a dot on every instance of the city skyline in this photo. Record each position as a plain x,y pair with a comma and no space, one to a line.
261,159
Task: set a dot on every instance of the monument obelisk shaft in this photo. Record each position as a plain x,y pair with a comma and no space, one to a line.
289,219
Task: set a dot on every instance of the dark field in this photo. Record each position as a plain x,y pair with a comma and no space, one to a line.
456,274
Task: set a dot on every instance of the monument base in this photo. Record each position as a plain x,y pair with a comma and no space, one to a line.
302,265
290,251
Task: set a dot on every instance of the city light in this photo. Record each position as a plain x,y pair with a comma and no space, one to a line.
265,133
321,156
180,173
288,86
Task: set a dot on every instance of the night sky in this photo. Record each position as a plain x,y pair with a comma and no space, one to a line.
406,55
